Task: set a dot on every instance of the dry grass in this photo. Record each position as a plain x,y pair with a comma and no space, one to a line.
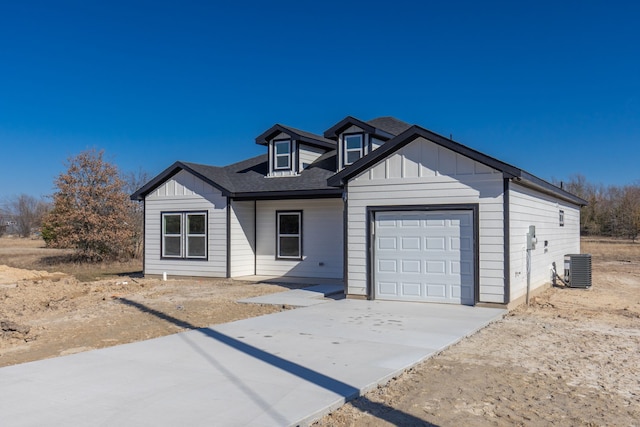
604,249
31,254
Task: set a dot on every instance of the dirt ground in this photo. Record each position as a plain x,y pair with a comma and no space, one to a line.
47,313
571,358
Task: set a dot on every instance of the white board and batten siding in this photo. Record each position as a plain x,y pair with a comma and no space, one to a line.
529,207
183,193
242,230
423,174
322,241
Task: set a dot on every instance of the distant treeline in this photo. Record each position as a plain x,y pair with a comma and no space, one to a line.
613,211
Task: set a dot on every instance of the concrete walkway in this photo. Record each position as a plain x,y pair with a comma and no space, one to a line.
287,368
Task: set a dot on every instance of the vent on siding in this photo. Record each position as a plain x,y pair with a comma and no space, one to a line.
577,270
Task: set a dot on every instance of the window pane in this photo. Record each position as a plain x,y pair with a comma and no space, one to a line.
289,247
196,224
172,246
289,224
353,141
172,224
352,156
282,147
196,246
282,162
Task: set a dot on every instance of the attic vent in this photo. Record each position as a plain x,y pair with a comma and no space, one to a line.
577,270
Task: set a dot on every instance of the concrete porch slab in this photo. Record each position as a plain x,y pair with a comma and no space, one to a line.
294,281
298,297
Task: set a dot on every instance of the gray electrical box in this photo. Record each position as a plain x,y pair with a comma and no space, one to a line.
531,238
577,270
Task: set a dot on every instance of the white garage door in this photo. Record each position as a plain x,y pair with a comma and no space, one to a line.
424,256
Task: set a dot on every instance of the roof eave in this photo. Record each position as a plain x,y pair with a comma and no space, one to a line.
343,124
167,174
531,181
288,194
265,137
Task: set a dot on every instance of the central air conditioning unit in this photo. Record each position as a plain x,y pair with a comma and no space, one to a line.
577,270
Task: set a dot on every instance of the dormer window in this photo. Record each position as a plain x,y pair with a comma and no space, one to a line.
353,147
282,154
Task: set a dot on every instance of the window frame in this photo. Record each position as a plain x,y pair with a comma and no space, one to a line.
297,213
561,218
346,150
164,234
184,235
289,155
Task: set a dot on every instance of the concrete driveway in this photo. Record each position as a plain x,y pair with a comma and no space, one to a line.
287,368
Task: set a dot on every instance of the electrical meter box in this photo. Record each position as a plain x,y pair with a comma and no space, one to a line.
531,238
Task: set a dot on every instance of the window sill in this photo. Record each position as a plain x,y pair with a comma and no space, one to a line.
282,173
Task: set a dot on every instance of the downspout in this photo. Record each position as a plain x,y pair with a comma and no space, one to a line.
255,237
345,240
228,237
506,219
144,235
528,274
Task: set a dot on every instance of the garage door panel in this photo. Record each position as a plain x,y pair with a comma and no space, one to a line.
424,256
435,222
410,244
435,243
436,267
410,289
388,288
455,291
387,266
410,222
410,266
436,291
387,243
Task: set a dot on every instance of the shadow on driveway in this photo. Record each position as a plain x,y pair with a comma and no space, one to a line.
347,391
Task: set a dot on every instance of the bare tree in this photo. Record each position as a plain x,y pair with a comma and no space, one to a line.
612,211
133,181
90,210
28,213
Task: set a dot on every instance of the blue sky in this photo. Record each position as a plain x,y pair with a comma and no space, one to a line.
552,87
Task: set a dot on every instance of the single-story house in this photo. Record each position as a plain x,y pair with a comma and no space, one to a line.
393,210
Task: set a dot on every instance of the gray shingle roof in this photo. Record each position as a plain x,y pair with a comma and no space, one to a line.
249,176
389,124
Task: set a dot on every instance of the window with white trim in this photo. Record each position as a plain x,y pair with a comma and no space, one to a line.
353,147
289,235
184,235
282,154
561,218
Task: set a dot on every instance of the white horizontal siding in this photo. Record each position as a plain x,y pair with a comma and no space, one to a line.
184,192
423,173
322,241
528,207
308,155
242,238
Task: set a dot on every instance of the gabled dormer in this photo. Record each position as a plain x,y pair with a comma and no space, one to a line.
356,139
292,150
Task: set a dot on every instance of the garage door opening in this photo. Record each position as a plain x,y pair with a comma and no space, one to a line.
426,256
